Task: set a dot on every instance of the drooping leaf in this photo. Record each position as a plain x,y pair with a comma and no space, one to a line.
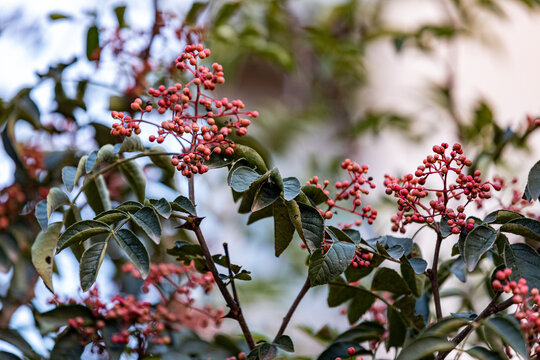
291,188
312,225
81,231
508,329
389,280
43,253
68,177
424,346
477,243
55,199
283,227
134,175
134,249
148,221
526,227
97,193
90,263
323,268
183,204
524,262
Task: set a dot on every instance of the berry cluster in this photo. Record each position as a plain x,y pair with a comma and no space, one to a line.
361,258
412,192
351,351
516,202
351,189
528,307
12,199
199,133
141,322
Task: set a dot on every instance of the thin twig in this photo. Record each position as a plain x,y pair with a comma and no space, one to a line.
490,309
434,277
231,275
291,311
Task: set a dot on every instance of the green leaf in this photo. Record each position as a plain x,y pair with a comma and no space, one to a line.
193,13
130,206
389,280
315,194
92,42
507,327
358,307
148,221
251,156
477,243
339,349
90,163
43,253
242,178
135,178
68,177
162,207
312,227
81,169
14,338
266,195
524,262
397,328
444,327
81,231
261,214
413,281
183,204
338,294
533,182
55,199
338,235
285,343
291,188
184,250
119,11
97,193
58,16
112,216
134,249
41,214
367,330
419,265
283,227
482,353
8,356
424,346
132,143
526,227
68,346
226,12
323,268
501,216
91,262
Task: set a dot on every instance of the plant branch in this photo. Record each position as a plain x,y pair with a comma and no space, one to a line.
490,309
231,275
292,309
434,277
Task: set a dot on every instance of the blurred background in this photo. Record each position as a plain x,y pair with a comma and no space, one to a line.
377,81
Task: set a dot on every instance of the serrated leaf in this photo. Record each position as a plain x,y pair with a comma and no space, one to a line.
315,194
508,328
389,280
132,143
283,227
134,175
312,225
148,221
134,249
242,178
162,207
477,243
97,193
524,262
424,346
112,216
285,343
323,268
526,227
43,253
183,204
91,262
81,231
291,188
55,199
41,214
68,177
